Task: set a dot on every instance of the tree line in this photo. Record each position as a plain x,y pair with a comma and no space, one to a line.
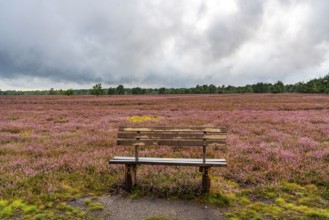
318,85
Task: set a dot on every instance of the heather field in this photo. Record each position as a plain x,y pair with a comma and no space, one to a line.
55,148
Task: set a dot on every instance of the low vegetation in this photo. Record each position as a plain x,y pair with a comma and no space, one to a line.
142,118
56,148
318,85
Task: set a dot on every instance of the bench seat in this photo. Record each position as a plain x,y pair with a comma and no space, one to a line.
141,137
169,161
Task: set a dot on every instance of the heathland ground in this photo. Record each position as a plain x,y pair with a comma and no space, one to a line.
54,149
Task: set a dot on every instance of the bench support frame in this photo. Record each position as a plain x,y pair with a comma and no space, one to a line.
206,181
130,176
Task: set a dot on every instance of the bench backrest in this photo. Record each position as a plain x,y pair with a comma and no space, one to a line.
171,136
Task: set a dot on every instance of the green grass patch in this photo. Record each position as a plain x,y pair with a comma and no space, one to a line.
63,206
217,199
95,206
284,201
29,197
41,216
17,207
136,193
30,209
68,185
18,204
6,212
20,209
87,201
3,203
318,214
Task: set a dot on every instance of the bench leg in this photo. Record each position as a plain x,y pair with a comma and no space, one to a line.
205,179
130,177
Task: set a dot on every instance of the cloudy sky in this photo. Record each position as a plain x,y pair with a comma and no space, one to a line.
153,43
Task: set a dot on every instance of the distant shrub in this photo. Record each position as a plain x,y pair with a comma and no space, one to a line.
68,92
97,90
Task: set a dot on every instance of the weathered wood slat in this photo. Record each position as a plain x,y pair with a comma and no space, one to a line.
170,142
178,163
172,129
207,164
169,161
150,135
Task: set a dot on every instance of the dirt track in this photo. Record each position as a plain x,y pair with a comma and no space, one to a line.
120,208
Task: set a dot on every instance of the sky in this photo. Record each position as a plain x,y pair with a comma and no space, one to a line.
75,44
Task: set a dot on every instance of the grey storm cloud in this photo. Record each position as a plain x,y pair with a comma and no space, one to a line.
161,43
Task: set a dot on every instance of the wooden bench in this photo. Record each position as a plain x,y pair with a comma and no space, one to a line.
169,136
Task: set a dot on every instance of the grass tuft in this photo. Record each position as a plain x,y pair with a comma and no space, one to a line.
30,209
318,214
6,212
95,206
19,204
217,199
3,203
41,216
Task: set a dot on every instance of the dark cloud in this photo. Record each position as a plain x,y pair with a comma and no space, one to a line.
227,34
161,43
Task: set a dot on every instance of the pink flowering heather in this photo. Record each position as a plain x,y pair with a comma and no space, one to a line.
53,141
307,143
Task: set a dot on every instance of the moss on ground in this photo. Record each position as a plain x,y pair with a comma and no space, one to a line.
284,201
218,199
96,206
281,201
20,209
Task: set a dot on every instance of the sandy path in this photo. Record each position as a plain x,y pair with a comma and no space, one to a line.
120,208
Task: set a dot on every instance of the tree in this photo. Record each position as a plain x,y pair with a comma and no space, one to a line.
136,91
52,91
205,89
97,90
212,89
120,90
162,90
198,89
278,87
111,91
68,92
261,87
